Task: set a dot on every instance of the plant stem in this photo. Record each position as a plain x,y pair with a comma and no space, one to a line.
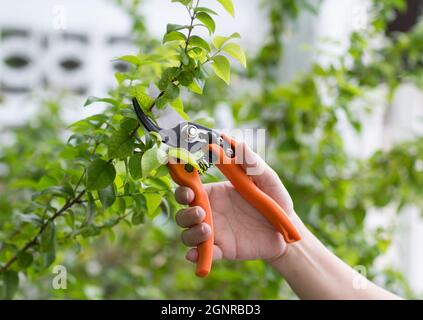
33,241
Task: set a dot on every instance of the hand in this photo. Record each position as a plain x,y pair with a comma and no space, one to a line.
241,232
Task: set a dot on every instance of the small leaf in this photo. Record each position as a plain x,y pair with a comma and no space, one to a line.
196,41
93,99
207,10
129,124
140,209
100,174
107,196
222,68
207,20
58,191
172,92
151,160
92,209
174,36
24,259
185,156
11,282
197,86
178,105
48,245
184,2
153,202
131,59
135,166
121,145
228,6
219,41
143,98
168,75
185,78
174,27
237,52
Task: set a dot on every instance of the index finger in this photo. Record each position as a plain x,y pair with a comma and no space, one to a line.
184,195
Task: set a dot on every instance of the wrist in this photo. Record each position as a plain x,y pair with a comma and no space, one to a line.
288,260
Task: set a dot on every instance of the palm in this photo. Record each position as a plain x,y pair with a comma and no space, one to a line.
241,232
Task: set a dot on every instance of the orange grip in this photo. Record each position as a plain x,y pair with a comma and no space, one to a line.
192,180
252,194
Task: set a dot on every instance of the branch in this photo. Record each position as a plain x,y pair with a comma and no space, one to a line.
33,241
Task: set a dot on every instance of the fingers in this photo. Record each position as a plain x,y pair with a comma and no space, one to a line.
184,195
195,235
190,216
192,254
254,165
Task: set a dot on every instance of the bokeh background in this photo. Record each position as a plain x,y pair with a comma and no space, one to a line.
337,84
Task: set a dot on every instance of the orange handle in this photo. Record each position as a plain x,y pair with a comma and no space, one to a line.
192,180
252,194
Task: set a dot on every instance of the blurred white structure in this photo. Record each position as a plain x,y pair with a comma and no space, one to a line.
71,44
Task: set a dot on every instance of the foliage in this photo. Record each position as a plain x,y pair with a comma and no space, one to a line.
110,170
85,197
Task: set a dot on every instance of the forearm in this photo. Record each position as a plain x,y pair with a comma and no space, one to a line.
313,272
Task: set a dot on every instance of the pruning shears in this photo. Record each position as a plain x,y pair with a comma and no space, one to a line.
217,149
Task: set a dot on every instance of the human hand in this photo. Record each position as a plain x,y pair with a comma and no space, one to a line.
241,232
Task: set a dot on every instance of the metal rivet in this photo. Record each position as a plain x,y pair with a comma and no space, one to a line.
229,152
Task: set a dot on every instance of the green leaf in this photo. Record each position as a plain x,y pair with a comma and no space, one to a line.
121,145
100,174
222,68
197,86
228,6
135,60
168,75
175,27
135,166
178,105
92,209
174,36
24,259
207,20
185,156
172,92
129,124
219,41
121,204
11,282
107,196
48,245
140,209
207,10
93,99
185,78
237,52
151,160
58,191
196,41
153,202
143,98
184,2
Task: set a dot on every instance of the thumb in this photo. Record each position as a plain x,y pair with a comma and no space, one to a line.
263,176
254,165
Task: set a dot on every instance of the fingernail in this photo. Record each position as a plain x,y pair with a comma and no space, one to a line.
199,213
185,194
205,228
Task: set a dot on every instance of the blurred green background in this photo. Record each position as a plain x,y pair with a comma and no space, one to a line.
306,116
